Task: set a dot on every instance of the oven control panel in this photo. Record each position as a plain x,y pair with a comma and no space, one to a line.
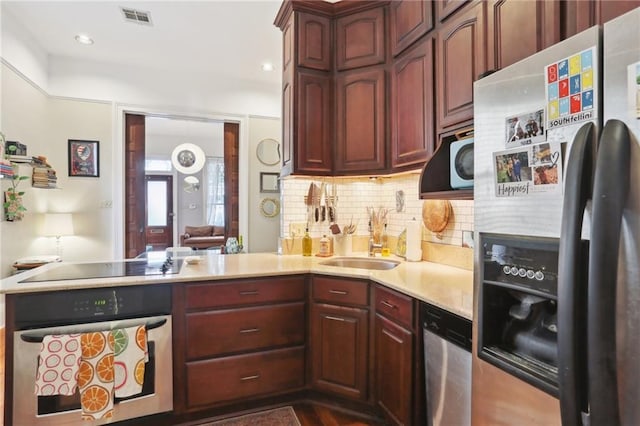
522,262
91,305
111,304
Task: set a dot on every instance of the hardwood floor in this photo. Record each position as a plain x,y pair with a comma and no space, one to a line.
319,415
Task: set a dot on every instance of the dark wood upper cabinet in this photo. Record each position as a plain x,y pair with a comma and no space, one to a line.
313,123
460,59
360,121
412,106
360,39
444,8
517,29
314,41
409,20
581,14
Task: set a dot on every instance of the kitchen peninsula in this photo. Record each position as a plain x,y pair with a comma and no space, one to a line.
305,330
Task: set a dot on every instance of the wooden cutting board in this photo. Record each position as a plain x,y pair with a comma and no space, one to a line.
436,214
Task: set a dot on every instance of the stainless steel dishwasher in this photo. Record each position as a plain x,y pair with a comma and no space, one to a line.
447,355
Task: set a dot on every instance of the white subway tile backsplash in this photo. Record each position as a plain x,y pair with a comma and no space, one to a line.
355,194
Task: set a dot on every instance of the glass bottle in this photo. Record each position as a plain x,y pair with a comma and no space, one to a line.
306,243
385,242
324,246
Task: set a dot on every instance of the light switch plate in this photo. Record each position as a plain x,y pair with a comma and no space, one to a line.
296,229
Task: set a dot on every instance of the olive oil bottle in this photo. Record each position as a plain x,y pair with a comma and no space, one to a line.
306,243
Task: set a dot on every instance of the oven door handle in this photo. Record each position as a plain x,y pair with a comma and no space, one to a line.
37,337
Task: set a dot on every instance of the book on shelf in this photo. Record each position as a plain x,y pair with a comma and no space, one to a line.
20,158
44,177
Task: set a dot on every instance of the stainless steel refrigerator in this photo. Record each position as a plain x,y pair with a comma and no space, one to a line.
557,231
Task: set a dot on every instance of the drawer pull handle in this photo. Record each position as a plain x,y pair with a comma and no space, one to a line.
249,293
341,292
334,318
254,377
249,330
387,304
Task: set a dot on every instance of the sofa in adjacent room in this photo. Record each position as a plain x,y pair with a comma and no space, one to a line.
202,237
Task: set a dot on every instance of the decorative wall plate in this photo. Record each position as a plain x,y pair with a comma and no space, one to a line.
270,207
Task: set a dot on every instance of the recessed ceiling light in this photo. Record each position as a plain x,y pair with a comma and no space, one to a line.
84,39
267,66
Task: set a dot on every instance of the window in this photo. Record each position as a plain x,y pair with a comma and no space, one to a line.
214,176
157,203
157,165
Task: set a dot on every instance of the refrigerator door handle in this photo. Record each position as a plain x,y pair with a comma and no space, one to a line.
610,191
572,289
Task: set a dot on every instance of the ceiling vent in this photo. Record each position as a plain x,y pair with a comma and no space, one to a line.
137,16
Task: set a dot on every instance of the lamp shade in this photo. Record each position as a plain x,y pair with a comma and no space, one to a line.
57,224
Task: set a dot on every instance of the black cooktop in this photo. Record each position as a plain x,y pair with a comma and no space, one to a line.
132,268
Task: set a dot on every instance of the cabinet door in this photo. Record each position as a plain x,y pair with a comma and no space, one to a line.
584,14
360,39
444,8
409,20
339,355
360,121
517,29
288,120
394,361
312,122
460,59
314,38
412,115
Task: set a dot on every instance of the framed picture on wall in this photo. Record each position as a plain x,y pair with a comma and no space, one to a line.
84,158
269,182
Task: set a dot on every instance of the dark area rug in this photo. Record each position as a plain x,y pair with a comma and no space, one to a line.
283,416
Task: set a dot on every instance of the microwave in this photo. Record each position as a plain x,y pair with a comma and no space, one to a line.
461,167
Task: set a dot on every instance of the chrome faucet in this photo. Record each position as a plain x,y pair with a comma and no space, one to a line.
373,247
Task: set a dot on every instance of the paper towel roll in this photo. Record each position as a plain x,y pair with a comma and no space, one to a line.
414,240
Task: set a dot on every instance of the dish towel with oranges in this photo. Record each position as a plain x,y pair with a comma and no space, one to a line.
95,375
58,365
130,350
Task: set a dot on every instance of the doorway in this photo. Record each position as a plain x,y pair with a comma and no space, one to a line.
159,212
135,236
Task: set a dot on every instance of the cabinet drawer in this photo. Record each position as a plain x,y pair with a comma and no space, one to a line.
229,378
245,292
228,331
340,291
395,306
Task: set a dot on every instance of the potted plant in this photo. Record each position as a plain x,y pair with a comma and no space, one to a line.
13,208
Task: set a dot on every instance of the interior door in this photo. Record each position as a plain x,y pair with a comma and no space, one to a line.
134,185
159,211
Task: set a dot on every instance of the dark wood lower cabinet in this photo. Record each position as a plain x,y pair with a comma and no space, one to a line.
250,343
339,350
394,370
231,378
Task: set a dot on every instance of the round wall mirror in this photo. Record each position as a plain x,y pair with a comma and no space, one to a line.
268,152
270,207
191,184
188,158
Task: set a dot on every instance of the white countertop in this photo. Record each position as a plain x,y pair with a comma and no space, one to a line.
445,286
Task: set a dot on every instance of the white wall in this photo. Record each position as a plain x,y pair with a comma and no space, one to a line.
45,124
263,231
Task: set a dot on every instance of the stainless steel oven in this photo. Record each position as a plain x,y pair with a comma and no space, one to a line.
79,311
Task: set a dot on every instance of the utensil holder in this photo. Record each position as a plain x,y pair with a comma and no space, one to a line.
343,244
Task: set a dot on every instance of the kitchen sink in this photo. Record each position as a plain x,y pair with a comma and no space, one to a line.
361,262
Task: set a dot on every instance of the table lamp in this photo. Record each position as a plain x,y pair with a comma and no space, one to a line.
58,225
